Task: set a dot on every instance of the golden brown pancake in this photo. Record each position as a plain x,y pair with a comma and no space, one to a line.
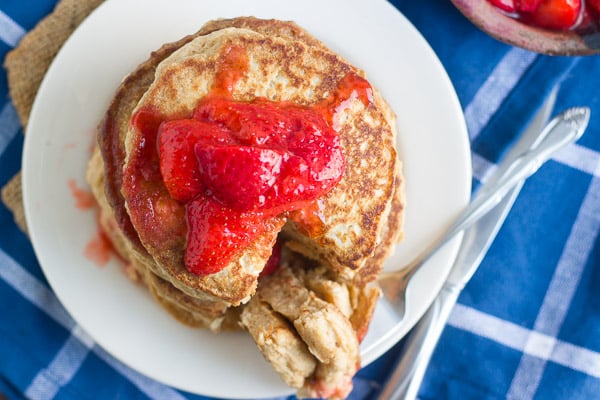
308,324
353,215
348,233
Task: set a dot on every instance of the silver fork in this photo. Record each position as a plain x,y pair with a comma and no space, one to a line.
563,129
406,377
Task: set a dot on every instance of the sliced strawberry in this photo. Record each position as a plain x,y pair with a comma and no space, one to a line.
216,233
506,5
320,148
555,14
528,5
178,164
239,176
260,123
288,155
237,164
273,261
253,178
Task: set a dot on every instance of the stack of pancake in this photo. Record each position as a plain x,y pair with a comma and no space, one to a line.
332,253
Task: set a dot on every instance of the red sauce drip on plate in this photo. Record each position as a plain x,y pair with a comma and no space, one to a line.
99,249
233,165
84,200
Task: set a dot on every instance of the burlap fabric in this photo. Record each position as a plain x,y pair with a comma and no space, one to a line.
26,66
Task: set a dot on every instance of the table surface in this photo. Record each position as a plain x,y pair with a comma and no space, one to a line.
526,327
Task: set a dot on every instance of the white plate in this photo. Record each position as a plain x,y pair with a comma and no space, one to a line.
72,99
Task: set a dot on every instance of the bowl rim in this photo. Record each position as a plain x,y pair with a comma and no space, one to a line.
511,31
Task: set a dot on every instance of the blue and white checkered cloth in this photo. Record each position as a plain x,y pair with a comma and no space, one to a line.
526,327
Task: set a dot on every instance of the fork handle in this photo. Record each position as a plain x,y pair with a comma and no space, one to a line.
563,129
408,374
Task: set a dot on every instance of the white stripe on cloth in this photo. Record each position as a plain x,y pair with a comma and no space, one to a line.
580,158
540,347
496,88
561,290
10,32
9,125
63,367
151,388
42,297
33,290
482,167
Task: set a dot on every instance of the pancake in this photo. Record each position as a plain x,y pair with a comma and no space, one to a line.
333,246
202,311
353,215
308,324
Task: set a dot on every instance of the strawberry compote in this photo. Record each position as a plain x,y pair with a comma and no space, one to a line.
233,165
560,15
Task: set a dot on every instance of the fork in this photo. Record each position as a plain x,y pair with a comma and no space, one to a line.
563,129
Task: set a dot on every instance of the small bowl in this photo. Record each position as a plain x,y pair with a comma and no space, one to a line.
509,30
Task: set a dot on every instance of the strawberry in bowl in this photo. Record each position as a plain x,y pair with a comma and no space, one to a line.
558,27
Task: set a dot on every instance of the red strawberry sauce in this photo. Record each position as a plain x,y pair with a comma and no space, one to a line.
233,165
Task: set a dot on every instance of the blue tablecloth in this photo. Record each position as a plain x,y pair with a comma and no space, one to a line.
526,327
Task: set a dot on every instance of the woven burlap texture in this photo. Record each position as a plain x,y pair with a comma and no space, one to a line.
26,66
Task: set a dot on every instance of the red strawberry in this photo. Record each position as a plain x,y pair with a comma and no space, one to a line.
288,155
273,261
555,14
528,5
178,164
237,164
506,5
216,233
239,176
319,147
260,123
